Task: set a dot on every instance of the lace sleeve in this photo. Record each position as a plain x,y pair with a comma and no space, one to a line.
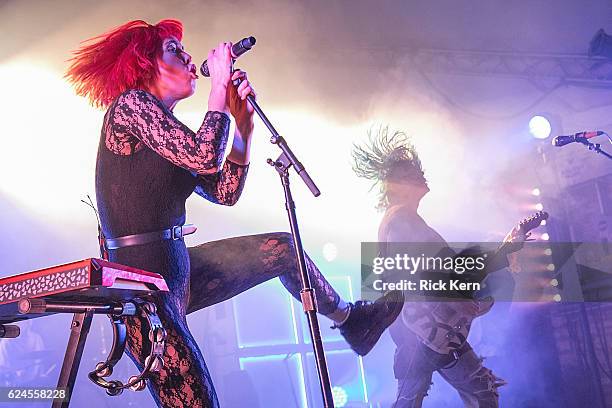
139,114
225,186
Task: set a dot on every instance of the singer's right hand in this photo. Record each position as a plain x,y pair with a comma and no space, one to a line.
219,65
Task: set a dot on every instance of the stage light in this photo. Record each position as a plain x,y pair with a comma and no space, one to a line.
340,397
550,267
536,192
539,206
548,251
330,251
545,236
554,282
543,222
540,127
65,149
557,298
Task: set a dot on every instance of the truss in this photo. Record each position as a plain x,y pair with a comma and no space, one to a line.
573,69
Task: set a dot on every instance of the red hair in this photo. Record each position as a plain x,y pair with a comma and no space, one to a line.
121,59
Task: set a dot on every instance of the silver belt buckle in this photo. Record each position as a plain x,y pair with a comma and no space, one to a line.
177,232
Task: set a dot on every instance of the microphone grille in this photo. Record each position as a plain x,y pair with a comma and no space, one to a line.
555,141
204,69
249,42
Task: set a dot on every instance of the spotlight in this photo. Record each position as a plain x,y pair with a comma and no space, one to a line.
557,298
535,192
550,267
539,206
543,222
554,282
545,236
340,397
540,127
330,251
548,251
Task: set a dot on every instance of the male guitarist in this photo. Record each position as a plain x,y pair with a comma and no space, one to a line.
430,336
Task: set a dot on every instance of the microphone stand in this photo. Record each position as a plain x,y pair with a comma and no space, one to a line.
596,147
282,164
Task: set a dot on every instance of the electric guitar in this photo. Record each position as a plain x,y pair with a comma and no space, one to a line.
444,325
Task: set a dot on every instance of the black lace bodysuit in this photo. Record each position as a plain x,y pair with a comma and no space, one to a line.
148,164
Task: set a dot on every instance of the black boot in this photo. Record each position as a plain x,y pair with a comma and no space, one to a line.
368,320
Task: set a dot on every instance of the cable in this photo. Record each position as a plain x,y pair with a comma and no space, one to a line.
93,207
101,239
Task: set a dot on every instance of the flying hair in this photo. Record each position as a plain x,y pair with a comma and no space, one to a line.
387,157
124,58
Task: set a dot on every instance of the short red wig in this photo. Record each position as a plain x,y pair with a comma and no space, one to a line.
124,58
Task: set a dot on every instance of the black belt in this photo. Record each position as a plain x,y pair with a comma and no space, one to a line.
175,233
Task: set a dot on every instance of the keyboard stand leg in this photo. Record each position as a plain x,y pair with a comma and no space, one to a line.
81,323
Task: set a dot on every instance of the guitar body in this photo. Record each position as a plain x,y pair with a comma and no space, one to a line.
444,326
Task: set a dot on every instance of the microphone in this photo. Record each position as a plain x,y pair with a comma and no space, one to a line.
577,137
238,49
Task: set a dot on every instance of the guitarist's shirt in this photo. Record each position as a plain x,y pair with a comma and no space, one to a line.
442,326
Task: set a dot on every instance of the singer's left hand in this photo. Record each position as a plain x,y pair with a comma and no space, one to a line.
240,108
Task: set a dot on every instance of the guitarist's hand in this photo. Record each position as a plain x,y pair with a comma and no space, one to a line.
513,242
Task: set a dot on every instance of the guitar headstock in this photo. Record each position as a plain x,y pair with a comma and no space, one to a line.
521,232
531,222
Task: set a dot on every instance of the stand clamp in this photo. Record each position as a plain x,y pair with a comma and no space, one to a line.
596,147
